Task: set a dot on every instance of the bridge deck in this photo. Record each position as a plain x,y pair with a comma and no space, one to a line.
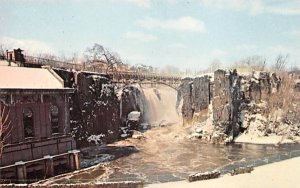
117,76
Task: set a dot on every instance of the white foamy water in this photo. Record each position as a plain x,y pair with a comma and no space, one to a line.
160,105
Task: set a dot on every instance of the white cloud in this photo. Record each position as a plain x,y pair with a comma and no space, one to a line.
246,47
186,23
30,46
295,33
281,7
177,46
139,3
140,36
218,53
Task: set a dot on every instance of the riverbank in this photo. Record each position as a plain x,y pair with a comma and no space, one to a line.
280,174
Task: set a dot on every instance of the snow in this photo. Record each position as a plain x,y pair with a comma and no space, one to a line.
6,63
134,116
124,135
96,138
276,175
29,78
256,139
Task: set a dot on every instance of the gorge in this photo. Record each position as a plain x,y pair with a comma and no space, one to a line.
177,127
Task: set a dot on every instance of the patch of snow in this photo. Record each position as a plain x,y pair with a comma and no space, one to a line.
134,116
97,139
124,135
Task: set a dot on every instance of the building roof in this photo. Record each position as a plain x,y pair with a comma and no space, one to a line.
6,63
29,78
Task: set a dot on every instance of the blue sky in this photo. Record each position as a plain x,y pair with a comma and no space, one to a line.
189,34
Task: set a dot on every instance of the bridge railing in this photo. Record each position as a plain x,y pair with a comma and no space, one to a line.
117,75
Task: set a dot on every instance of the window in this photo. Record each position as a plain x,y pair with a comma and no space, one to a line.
54,117
28,123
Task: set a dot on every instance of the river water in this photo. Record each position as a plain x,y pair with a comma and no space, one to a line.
164,153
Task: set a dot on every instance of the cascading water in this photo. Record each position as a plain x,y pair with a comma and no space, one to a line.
160,104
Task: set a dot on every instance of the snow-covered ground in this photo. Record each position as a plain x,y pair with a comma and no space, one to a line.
271,139
281,174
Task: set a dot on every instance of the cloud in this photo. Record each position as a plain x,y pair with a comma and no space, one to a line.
246,47
295,33
139,3
186,23
30,46
218,53
140,36
254,7
177,46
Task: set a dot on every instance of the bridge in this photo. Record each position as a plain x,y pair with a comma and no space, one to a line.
118,75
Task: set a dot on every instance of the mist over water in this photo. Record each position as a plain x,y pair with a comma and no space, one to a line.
160,104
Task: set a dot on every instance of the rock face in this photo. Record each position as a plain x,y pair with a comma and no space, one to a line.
204,176
195,95
132,99
232,97
94,107
226,103
67,76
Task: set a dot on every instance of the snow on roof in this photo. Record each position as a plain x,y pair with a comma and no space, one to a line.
29,78
6,63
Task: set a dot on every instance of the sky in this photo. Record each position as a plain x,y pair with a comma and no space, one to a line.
188,34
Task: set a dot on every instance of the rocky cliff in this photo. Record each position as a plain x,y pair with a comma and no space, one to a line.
94,107
240,104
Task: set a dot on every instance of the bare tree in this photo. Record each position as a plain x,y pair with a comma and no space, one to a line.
169,69
2,51
256,62
97,53
4,126
281,62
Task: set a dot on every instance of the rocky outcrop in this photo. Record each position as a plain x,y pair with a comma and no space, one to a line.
94,107
204,176
242,170
67,76
195,96
185,95
236,99
132,99
227,100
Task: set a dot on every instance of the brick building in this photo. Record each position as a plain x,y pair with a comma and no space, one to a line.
15,55
39,141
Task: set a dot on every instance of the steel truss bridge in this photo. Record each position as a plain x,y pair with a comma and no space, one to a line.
117,76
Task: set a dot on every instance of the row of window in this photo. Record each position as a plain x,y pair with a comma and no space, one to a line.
28,121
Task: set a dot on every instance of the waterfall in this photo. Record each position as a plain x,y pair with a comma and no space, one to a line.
160,105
